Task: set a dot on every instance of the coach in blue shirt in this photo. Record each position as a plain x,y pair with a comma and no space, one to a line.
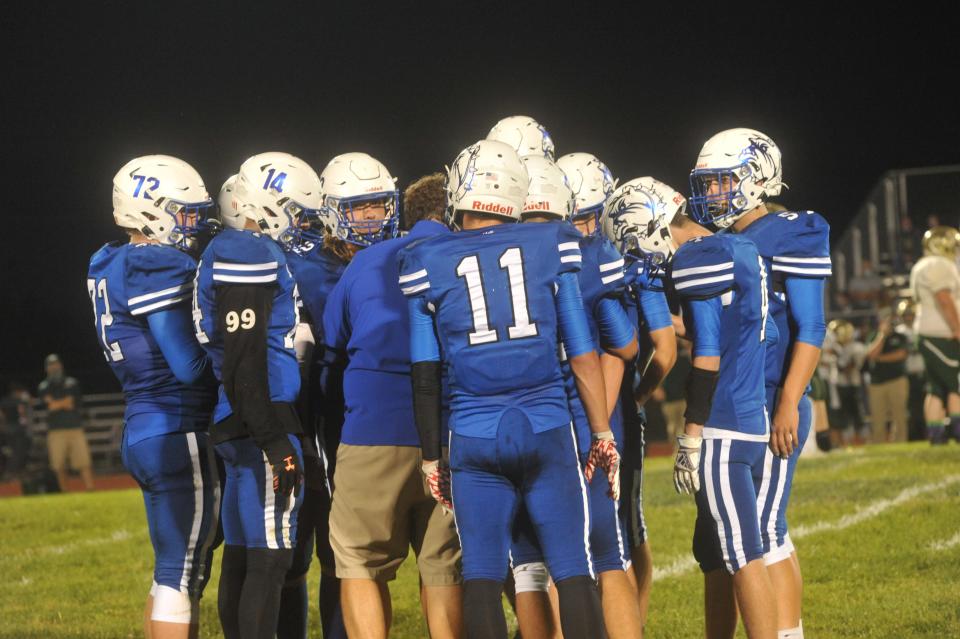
381,504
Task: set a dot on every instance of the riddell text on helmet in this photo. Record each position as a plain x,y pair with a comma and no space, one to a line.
537,206
491,208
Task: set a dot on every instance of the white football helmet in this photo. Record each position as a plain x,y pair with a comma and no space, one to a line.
162,197
524,134
591,182
229,210
549,192
736,171
637,220
351,181
488,178
279,192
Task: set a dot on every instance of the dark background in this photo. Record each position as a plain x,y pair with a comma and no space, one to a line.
88,85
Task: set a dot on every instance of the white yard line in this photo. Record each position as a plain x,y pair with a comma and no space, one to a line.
685,563
945,544
114,537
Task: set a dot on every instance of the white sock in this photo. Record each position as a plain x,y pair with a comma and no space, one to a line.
791,633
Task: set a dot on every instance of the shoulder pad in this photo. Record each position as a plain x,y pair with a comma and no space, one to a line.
245,258
413,280
568,246
157,277
798,244
703,267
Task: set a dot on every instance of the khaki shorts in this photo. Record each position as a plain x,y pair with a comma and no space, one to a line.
382,507
68,443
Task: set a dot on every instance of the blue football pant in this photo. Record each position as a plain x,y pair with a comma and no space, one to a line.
727,532
492,478
774,496
179,476
253,515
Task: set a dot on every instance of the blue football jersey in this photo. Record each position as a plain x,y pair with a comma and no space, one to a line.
728,267
243,257
792,244
601,275
316,272
492,292
126,282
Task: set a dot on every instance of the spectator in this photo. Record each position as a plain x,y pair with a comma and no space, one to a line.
672,394
889,388
66,440
866,287
15,420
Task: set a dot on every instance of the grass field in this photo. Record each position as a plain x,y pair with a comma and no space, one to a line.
877,529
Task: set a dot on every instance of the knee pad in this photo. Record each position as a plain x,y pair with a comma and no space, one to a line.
153,589
779,553
532,577
173,606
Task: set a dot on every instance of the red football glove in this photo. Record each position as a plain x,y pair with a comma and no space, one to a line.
437,474
603,454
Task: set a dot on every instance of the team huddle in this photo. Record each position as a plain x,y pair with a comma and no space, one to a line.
301,374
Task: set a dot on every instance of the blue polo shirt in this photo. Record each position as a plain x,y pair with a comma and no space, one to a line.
366,318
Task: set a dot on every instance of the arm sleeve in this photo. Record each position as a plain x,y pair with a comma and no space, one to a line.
245,378
336,318
616,330
705,316
571,318
805,303
426,376
655,309
173,330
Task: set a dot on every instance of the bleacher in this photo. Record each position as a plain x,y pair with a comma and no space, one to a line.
103,424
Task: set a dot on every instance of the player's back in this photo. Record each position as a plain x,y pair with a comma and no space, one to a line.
792,244
493,294
126,282
246,258
729,267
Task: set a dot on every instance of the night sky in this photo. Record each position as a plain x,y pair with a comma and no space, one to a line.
87,86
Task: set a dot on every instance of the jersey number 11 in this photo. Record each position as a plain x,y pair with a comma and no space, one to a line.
511,260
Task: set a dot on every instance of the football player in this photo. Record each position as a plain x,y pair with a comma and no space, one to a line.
648,301
550,199
372,531
317,258
495,296
245,312
736,171
140,290
721,281
525,135
935,285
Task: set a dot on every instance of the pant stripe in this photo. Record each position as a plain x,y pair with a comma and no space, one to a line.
291,501
729,505
711,489
775,507
586,505
213,478
269,506
762,512
188,559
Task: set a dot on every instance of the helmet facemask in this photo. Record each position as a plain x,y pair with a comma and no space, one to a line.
189,221
359,220
718,195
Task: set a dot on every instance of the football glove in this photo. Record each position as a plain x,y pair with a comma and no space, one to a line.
603,454
287,470
437,474
686,469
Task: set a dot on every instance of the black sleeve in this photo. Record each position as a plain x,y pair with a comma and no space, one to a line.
243,314
426,406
